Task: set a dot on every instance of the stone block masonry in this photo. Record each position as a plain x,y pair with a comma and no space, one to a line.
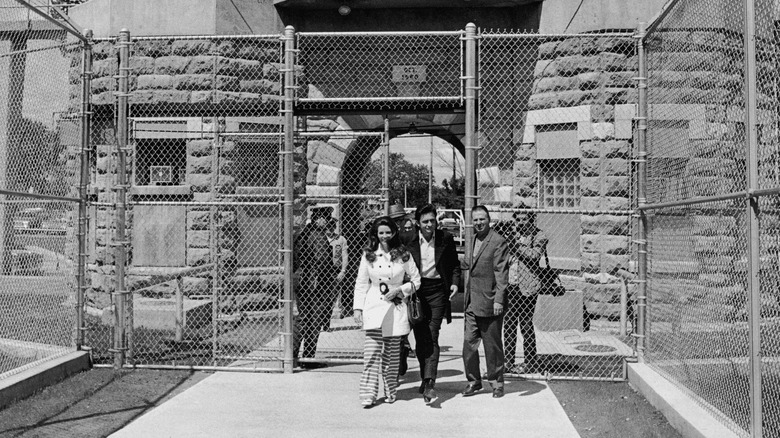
583,90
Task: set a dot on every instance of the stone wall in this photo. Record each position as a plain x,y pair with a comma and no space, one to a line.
178,78
236,73
585,83
697,77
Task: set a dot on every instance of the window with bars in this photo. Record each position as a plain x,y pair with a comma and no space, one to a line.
559,183
559,189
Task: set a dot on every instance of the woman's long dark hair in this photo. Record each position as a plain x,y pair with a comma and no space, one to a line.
397,250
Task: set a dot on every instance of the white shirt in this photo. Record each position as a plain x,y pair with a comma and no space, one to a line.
428,257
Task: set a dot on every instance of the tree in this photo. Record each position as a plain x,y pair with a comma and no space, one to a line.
414,179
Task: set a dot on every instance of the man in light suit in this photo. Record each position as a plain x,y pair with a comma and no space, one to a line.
484,305
434,254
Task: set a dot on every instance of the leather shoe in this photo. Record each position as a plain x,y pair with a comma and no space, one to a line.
429,395
472,388
312,365
498,391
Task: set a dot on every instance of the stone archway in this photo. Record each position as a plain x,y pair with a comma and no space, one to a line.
335,164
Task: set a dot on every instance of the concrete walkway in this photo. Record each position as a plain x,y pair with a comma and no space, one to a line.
325,403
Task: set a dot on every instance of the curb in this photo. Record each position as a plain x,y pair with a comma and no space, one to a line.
683,412
28,382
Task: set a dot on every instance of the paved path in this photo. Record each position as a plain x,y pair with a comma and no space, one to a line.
325,403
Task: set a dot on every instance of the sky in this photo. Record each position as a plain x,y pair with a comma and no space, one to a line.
417,150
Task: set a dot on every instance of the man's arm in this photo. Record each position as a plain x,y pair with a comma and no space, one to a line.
344,259
500,270
450,256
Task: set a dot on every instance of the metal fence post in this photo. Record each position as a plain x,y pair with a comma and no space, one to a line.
753,235
86,112
386,165
641,160
470,140
289,128
120,239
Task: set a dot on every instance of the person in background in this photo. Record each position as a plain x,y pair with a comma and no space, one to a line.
380,306
315,292
484,305
398,215
408,224
436,258
526,247
339,262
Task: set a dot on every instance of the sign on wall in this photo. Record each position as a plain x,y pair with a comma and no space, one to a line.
409,74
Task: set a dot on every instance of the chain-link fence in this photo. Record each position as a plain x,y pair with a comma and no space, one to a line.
555,170
193,267
711,214
231,179
40,146
186,257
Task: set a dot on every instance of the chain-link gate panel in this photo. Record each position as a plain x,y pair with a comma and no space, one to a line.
704,278
343,194
697,283
203,225
554,168
768,157
40,147
379,71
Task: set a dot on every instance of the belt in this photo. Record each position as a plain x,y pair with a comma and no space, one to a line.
431,280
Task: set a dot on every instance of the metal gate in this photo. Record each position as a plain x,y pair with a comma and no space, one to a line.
556,145
188,214
228,153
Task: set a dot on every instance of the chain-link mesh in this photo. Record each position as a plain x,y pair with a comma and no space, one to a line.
699,331
203,226
342,194
40,143
377,71
556,139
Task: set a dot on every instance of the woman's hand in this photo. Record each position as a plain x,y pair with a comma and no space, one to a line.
393,293
358,315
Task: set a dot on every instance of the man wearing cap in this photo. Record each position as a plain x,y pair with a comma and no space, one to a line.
315,294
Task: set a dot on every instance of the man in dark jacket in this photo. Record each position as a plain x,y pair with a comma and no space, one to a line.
315,293
434,254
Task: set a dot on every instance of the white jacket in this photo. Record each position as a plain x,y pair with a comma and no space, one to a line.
378,312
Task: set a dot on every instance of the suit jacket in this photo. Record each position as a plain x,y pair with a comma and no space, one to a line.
445,254
487,278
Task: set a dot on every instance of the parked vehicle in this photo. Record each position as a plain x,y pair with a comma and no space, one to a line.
452,220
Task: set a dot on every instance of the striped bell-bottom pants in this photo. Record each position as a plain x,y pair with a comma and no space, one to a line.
380,354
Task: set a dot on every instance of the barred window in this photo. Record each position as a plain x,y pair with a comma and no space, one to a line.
559,189
559,183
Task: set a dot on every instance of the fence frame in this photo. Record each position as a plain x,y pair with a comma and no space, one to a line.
752,195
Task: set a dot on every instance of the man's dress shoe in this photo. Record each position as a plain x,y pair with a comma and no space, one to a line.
472,388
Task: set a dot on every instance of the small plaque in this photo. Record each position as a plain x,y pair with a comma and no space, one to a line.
409,74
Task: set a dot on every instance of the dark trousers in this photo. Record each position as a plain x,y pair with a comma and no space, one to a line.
426,334
519,311
487,330
315,307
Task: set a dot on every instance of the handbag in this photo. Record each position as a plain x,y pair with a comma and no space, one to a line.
548,277
414,308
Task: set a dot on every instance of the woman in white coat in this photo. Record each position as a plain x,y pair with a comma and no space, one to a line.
380,305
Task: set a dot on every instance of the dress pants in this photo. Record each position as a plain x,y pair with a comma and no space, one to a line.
380,356
487,330
426,334
519,311
315,307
